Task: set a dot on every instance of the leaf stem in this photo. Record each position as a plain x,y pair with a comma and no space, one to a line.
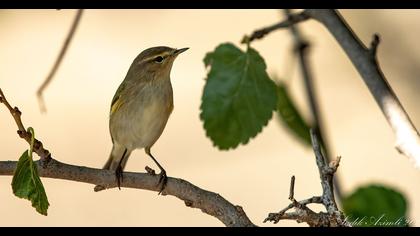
32,132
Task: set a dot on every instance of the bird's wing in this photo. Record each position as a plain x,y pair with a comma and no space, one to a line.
116,101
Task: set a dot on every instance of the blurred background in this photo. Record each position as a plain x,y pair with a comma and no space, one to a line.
255,176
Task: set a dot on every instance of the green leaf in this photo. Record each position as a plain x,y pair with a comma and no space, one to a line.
238,98
376,206
26,182
289,115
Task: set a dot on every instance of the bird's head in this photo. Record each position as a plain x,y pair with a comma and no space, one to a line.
155,62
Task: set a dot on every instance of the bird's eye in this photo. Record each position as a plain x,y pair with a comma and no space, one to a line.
159,59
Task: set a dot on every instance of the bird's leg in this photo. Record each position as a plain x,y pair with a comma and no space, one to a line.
119,176
119,171
163,179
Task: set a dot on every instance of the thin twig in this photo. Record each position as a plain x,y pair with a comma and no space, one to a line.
259,34
302,214
302,47
292,188
326,174
374,45
333,217
58,61
312,200
39,149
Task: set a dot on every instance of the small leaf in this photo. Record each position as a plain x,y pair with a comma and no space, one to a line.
376,206
238,98
26,182
290,116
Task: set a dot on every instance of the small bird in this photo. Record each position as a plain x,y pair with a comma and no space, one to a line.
140,109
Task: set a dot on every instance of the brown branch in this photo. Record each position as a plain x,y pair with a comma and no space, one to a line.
302,47
303,214
39,149
209,202
58,60
292,188
277,216
364,60
333,217
374,45
291,20
326,173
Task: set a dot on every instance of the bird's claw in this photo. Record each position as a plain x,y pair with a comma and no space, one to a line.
119,176
163,179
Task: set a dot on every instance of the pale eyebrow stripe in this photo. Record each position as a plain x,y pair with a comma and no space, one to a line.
164,54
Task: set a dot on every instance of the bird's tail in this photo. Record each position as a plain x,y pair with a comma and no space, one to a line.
119,156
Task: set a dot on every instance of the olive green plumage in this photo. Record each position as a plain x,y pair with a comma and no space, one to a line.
141,107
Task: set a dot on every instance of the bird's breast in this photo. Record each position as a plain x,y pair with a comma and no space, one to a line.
141,120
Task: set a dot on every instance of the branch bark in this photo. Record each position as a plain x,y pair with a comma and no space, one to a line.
209,202
365,61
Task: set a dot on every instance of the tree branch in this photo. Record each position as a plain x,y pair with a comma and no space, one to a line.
364,59
326,173
58,61
291,20
333,217
39,149
193,196
302,47
365,62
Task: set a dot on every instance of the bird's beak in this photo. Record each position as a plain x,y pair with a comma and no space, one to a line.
178,51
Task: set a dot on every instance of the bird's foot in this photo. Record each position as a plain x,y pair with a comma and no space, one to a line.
99,188
119,176
150,171
163,179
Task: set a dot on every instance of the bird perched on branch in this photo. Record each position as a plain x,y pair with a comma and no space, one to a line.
140,109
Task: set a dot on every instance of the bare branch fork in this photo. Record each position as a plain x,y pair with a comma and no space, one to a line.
365,61
333,217
209,202
58,60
